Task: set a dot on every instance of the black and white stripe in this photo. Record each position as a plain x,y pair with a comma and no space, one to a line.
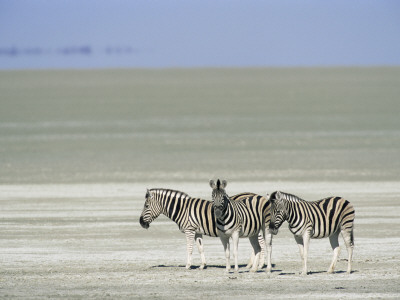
239,219
318,219
194,216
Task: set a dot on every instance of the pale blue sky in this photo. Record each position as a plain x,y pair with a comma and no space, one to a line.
206,33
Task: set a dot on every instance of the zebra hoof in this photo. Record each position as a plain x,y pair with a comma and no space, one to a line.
202,267
188,267
253,270
261,264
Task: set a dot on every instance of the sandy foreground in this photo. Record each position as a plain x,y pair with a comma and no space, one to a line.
85,241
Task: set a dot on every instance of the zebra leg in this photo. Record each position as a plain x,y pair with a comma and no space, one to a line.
299,241
349,241
199,243
262,254
250,263
189,246
235,240
257,249
225,243
268,243
261,242
306,242
336,250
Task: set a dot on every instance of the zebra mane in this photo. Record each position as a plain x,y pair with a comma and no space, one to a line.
168,190
291,197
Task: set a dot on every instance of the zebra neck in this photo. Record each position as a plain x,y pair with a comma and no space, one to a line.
292,207
173,205
226,213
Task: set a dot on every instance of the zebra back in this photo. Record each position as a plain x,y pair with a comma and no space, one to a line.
252,200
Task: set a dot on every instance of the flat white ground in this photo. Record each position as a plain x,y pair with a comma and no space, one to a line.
85,241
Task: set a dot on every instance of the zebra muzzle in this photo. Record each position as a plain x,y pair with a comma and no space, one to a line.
273,231
144,224
218,212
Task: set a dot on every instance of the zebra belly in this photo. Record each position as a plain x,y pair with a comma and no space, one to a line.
203,232
248,233
228,231
322,235
314,235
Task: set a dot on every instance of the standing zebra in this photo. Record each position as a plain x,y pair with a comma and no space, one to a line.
239,219
248,198
318,219
194,216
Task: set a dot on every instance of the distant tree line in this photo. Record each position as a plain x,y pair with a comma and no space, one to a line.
67,50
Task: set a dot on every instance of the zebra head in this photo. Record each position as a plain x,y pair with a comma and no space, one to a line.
219,197
278,212
151,210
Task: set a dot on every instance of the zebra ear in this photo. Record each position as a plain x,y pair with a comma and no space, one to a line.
224,184
271,197
278,195
212,184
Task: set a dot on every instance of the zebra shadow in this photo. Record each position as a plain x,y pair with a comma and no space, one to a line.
197,267
173,266
344,272
325,272
297,273
310,273
242,267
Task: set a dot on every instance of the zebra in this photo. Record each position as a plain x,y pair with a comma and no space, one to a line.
240,219
194,217
318,219
267,243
